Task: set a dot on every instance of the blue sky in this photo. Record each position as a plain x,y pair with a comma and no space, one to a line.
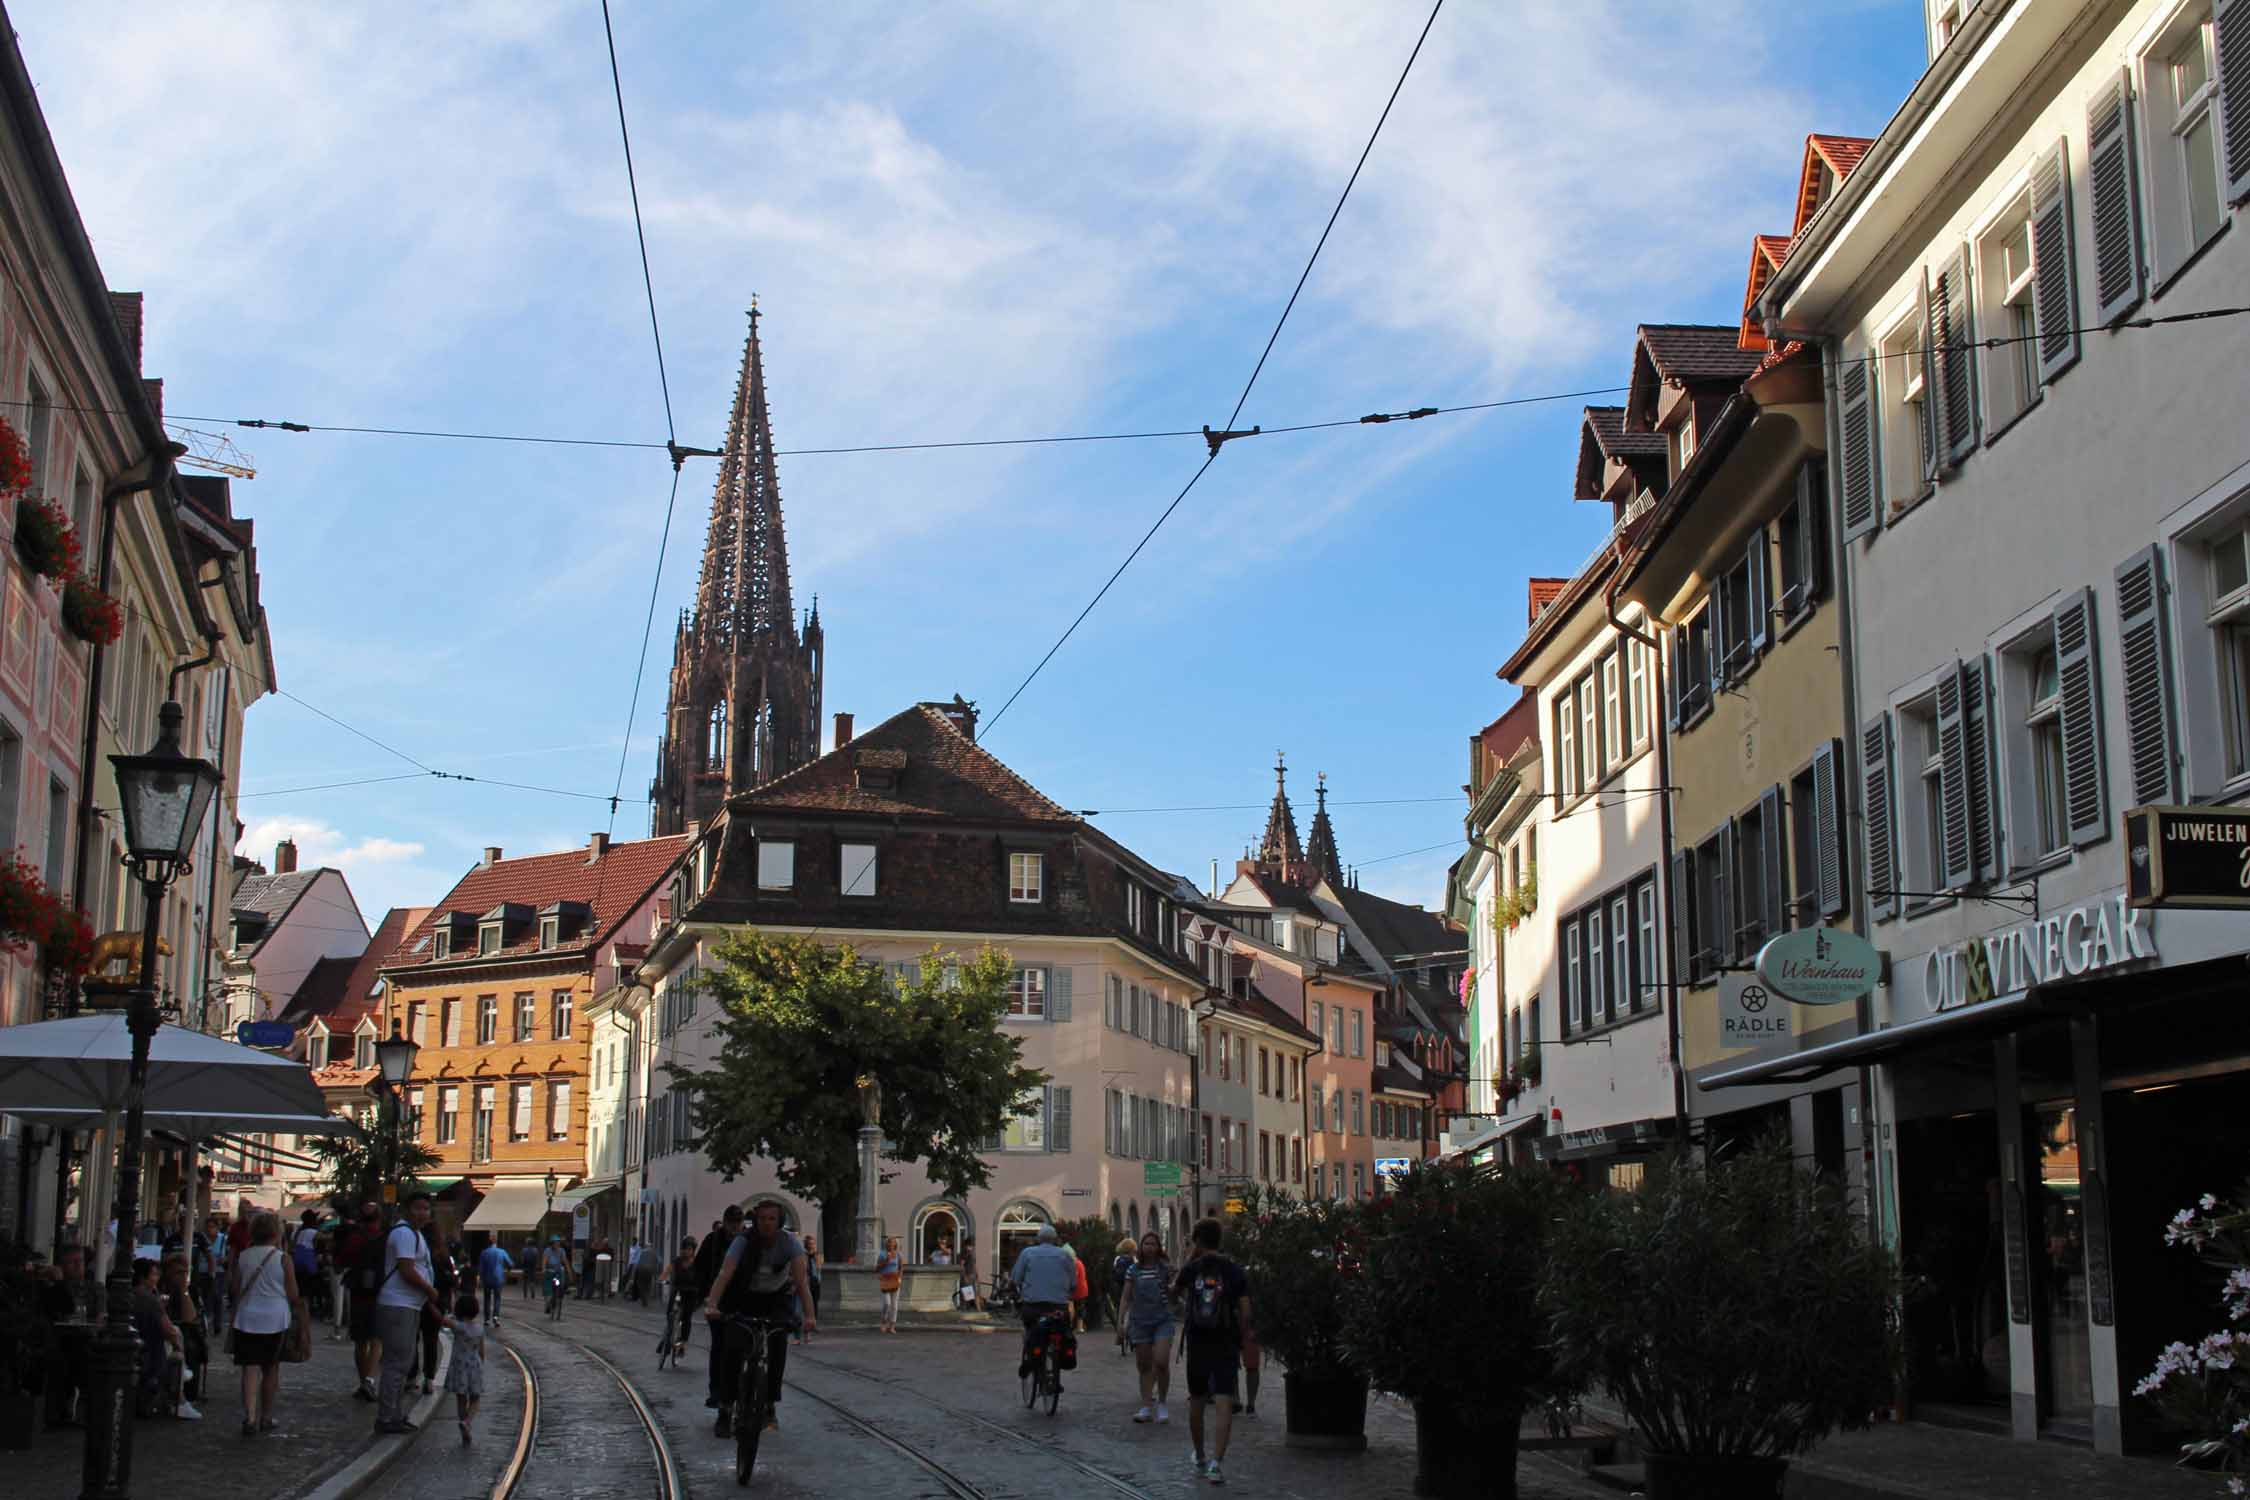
963,221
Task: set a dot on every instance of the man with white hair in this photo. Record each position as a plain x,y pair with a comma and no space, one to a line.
1046,1274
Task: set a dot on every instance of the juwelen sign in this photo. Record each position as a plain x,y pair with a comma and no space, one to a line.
2187,857
1820,965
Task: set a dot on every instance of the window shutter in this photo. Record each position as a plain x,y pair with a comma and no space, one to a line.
2231,22
2144,654
1109,1121
2055,297
1133,1009
1761,590
2113,177
1951,309
1683,914
1857,460
1773,830
1977,750
1875,800
2078,666
1828,830
1721,943
1953,783
1672,657
1058,1118
1812,530
1058,993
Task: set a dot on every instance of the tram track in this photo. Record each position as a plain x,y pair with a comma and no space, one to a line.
669,1483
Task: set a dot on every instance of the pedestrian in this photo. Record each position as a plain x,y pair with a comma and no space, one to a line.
1145,1304
889,1275
633,1270
464,1377
969,1274
177,1288
264,1293
160,1342
406,1289
366,1279
529,1261
1217,1309
812,1279
445,1277
1253,1358
492,1275
1127,1253
709,1257
304,1256
215,1305
1078,1291
943,1254
238,1234
554,1270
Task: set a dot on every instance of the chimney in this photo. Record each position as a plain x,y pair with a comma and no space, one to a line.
285,857
598,848
843,731
491,854
963,715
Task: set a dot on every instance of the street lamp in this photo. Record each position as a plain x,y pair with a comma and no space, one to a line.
552,1182
394,1061
162,798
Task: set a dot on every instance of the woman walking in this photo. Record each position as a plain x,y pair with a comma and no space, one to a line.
971,1292
264,1291
1147,1304
888,1272
1120,1264
812,1279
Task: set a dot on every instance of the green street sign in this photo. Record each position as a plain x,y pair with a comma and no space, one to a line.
1161,1179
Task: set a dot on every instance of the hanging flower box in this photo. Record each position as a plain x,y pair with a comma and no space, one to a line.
33,916
15,461
90,614
44,538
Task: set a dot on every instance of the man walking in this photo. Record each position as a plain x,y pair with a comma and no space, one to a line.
407,1288
492,1275
1218,1310
1046,1274
709,1257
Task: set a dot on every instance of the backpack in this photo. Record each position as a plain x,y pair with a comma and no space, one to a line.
367,1264
1209,1308
307,1261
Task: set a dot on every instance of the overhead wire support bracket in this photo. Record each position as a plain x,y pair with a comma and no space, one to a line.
262,422
1218,440
681,455
1415,415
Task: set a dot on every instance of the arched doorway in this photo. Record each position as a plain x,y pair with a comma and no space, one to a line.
938,1224
1018,1226
1133,1222
1116,1218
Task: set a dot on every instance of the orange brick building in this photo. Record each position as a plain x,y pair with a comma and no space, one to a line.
494,985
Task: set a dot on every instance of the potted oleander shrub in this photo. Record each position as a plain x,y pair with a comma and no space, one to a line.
2202,1390
1442,1308
1300,1256
1735,1310
23,1339
1095,1244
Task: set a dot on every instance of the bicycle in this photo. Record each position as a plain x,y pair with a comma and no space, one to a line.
753,1403
557,1294
1044,1379
677,1315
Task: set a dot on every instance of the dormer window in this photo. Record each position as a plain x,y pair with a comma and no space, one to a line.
363,1049
1133,907
441,944
562,921
857,869
777,864
1681,439
878,770
1382,1054
550,931
488,938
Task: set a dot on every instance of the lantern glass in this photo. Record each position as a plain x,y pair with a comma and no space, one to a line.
394,1055
163,796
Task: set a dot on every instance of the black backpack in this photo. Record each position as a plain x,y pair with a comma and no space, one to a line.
1209,1308
367,1265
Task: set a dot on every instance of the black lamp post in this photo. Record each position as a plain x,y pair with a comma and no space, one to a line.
162,797
394,1063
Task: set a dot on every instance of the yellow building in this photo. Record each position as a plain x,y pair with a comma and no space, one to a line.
494,985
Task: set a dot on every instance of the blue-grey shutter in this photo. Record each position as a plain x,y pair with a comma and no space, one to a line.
1058,1118
1855,420
1953,322
1058,993
2113,177
2078,665
2145,657
1875,805
1953,784
1773,830
1683,916
1761,590
1980,752
2231,22
1109,1122
2055,290
1674,653
1828,829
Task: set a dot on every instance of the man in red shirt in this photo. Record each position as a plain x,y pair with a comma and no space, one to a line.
238,1233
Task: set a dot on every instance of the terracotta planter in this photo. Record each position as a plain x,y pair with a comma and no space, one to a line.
1465,1454
1325,1411
1712,1476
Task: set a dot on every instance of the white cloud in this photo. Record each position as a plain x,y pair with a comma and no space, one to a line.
383,872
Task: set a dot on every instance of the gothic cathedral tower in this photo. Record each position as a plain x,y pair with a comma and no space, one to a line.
745,694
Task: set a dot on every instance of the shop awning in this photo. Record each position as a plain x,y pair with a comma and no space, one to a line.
1947,1028
585,1192
1493,1134
512,1203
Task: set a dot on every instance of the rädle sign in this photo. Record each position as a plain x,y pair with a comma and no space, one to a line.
1820,965
2195,857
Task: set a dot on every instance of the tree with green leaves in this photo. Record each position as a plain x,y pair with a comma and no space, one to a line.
800,1023
358,1166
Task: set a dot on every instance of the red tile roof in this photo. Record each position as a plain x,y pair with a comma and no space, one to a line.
1767,252
1603,437
1504,736
1257,1007
355,994
919,765
1840,154
1544,591
321,991
614,886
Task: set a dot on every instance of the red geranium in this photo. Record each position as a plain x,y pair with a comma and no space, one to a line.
15,461
45,538
90,614
32,914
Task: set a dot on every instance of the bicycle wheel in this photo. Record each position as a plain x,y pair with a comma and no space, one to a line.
1050,1378
1031,1388
749,1411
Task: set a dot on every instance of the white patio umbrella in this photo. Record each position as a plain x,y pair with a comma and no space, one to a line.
82,1063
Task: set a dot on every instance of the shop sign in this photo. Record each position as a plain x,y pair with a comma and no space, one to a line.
1751,1014
1820,965
265,1033
2187,857
1388,1167
581,1222
2083,939
237,1179
1161,1179
1078,1192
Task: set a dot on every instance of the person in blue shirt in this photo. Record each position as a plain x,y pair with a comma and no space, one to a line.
492,1274
1046,1273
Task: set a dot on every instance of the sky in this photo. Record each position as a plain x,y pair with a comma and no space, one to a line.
961,222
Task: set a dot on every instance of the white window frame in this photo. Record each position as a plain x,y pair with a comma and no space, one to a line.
1615,747
1636,694
2162,130
856,869
1903,435
1596,971
1621,954
1027,877
777,864
1027,994
558,1104
1028,1133
1574,984
1644,901
2006,306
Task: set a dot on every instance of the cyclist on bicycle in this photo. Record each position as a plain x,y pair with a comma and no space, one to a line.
1046,1273
554,1271
763,1266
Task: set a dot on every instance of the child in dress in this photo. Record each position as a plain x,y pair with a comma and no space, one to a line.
464,1377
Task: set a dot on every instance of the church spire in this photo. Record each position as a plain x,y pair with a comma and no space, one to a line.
1279,851
1320,846
743,595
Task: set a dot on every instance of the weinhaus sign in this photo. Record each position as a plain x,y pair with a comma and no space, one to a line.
1820,965
2187,857
2082,939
